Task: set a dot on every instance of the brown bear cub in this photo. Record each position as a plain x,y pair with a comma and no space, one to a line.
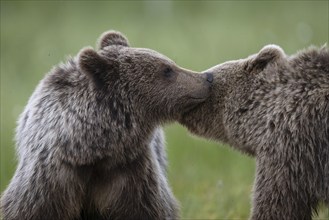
275,108
89,141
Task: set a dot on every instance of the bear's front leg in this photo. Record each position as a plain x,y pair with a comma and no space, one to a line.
133,191
43,191
279,192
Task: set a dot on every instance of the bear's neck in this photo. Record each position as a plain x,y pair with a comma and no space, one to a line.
115,124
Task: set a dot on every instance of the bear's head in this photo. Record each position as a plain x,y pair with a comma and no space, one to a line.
141,81
225,115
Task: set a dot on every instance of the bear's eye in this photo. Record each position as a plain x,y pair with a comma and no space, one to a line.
167,72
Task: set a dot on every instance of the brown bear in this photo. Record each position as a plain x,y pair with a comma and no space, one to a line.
276,108
89,141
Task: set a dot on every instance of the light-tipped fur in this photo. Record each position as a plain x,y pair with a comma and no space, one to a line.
89,141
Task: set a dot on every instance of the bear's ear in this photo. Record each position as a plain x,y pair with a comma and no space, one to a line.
112,38
92,64
266,55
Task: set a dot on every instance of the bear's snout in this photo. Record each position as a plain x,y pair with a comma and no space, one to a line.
209,77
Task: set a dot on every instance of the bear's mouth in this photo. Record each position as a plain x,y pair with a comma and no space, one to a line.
193,104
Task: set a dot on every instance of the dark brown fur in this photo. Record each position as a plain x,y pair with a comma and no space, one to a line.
275,108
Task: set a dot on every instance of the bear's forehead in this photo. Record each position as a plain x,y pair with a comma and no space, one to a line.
233,64
138,53
144,52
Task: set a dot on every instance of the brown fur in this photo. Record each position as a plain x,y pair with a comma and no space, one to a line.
89,141
276,108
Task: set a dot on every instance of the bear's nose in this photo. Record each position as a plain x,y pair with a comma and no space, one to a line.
209,77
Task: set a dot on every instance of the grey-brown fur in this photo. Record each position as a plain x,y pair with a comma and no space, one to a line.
89,143
275,108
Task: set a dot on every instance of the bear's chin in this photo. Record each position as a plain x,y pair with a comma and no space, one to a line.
189,112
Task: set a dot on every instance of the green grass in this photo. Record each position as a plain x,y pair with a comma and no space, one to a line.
211,181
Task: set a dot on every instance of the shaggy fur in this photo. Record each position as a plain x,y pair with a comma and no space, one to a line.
276,108
89,143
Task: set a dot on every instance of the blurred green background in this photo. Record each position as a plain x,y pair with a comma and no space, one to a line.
211,181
